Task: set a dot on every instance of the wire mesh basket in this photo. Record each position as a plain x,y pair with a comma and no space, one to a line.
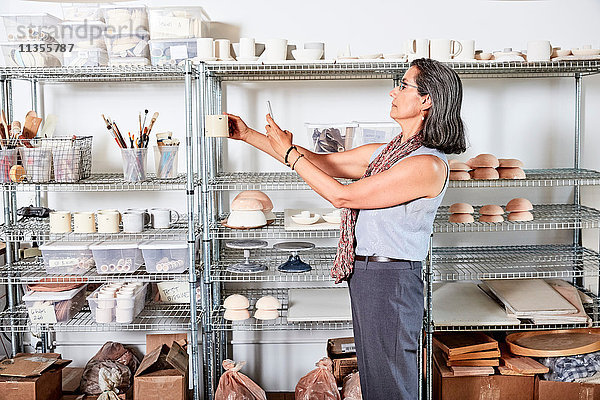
62,159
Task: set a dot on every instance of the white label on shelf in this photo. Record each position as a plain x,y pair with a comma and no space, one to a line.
179,52
170,27
63,262
42,314
348,348
174,292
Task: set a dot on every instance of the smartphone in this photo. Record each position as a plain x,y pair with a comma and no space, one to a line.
270,110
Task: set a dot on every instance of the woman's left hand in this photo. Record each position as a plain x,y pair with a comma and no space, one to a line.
280,140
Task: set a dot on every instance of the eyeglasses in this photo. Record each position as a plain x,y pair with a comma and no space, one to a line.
404,84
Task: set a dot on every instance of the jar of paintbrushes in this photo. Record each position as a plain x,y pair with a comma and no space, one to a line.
165,155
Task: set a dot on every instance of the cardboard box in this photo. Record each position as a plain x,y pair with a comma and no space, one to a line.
154,341
493,387
32,377
162,373
70,379
550,390
341,347
343,367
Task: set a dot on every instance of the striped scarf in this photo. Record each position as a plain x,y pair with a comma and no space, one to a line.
391,154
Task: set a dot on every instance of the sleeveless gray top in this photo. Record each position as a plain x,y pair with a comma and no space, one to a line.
400,231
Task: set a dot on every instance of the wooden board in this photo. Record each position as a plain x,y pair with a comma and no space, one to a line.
327,304
492,362
438,358
504,370
557,343
476,355
521,364
320,225
472,371
454,343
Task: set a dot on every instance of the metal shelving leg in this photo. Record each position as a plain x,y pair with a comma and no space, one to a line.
429,321
195,372
10,287
577,233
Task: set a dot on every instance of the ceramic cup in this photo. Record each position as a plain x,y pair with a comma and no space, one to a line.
444,49
275,50
84,222
247,48
205,48
316,46
222,49
60,222
416,48
104,315
124,315
216,126
162,218
135,221
468,50
539,50
108,222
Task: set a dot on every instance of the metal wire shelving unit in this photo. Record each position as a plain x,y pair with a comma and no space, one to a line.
443,264
155,317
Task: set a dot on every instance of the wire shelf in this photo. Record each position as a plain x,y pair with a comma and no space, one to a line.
292,181
104,183
545,217
219,323
592,309
320,259
32,271
124,73
154,317
384,69
39,229
274,231
513,262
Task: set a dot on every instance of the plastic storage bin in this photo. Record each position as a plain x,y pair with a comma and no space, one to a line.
24,54
128,61
67,258
123,19
172,51
128,45
83,35
31,27
165,256
86,58
117,257
82,12
178,22
66,304
331,138
117,302
375,132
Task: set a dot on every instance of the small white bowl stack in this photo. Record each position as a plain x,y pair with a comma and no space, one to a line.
116,302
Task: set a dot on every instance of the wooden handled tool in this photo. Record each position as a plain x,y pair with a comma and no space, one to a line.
32,125
152,121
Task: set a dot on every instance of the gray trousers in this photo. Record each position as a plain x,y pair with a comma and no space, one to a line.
387,315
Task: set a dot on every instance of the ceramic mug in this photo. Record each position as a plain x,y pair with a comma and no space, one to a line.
134,221
216,126
247,48
275,50
417,48
205,49
468,50
222,49
109,210
444,49
162,218
108,222
316,46
84,222
539,50
60,222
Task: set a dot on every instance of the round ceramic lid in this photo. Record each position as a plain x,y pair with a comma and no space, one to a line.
246,244
294,246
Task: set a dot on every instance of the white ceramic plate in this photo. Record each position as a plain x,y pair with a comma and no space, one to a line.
306,221
585,52
332,219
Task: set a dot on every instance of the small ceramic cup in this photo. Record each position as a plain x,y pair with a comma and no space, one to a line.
108,221
60,222
135,221
216,126
84,222
163,218
247,48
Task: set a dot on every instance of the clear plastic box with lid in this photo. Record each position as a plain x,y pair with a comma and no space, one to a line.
67,258
330,137
117,257
178,22
26,54
165,256
31,27
66,304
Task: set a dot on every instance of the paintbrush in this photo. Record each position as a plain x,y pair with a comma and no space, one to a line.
145,116
116,128
110,129
152,121
140,120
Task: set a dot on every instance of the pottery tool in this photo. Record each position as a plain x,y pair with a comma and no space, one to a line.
32,125
145,116
556,343
111,131
118,133
49,126
270,110
131,139
152,121
140,121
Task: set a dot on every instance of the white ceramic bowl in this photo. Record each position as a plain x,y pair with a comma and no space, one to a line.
299,219
333,218
307,54
585,52
246,219
266,314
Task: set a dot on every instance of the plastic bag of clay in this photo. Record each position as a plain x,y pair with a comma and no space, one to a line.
108,380
92,378
113,351
318,384
351,387
234,385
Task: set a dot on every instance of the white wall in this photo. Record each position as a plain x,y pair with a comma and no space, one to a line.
528,119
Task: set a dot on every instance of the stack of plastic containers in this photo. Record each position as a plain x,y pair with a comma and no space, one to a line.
127,34
165,256
116,257
66,303
83,32
117,302
174,32
24,34
67,258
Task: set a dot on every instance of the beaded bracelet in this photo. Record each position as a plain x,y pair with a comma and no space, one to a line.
299,157
287,154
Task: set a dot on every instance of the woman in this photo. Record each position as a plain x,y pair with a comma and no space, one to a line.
388,217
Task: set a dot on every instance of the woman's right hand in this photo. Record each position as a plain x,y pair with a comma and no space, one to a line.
238,129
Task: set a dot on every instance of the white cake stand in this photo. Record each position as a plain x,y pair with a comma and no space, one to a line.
294,264
247,267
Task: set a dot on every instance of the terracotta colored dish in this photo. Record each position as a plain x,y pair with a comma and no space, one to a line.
519,204
484,161
461,218
484,173
459,166
558,343
491,218
511,173
510,163
459,176
461,208
491,209
520,216
224,223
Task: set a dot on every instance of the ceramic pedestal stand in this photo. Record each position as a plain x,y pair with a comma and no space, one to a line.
294,264
247,267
